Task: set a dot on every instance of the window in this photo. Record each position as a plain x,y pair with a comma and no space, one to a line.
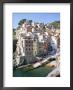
26,45
28,38
26,41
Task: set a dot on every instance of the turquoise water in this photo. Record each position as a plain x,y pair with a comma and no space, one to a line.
38,72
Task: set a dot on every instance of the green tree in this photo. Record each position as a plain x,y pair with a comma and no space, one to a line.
21,21
14,29
56,24
30,21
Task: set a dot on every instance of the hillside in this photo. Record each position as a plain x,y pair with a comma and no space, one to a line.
55,24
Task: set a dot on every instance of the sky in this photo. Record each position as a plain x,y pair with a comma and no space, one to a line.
35,17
